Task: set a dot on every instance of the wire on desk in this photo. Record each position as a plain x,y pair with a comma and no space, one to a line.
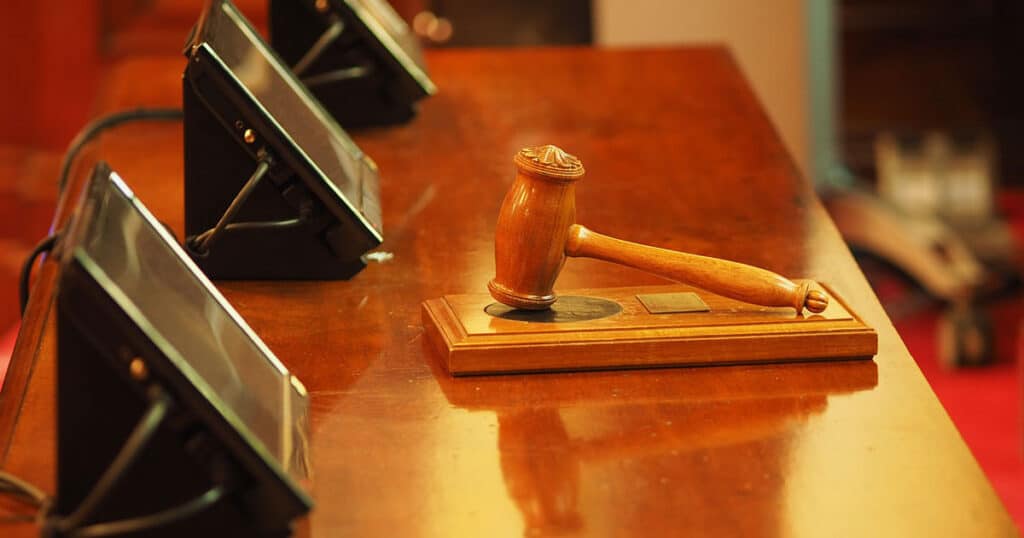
329,36
130,451
12,520
22,489
152,521
24,280
72,525
89,132
97,126
202,242
338,75
25,492
262,225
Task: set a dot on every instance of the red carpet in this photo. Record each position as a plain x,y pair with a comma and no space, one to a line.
985,403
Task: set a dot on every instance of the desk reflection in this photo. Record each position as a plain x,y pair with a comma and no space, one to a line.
575,447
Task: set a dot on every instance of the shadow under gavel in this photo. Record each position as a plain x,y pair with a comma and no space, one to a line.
536,231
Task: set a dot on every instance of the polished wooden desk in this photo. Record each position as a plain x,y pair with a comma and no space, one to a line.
679,154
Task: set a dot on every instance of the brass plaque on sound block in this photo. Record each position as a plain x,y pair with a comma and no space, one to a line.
672,303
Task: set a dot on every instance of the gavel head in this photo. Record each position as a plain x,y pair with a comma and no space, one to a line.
533,225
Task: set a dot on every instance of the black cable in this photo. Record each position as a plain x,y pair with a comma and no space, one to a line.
24,281
259,225
101,124
130,451
357,71
22,489
202,242
71,526
329,36
152,521
17,519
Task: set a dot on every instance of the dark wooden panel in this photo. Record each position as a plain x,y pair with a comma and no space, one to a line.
51,63
678,154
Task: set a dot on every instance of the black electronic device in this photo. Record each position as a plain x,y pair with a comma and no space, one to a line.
174,418
358,57
310,207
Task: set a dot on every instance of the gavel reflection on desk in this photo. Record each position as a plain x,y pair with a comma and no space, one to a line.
536,231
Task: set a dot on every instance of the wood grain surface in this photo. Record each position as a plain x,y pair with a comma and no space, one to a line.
681,155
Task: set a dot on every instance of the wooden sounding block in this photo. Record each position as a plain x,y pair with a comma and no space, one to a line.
475,335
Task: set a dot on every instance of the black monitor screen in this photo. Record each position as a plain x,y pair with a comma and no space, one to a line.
137,263
394,34
350,174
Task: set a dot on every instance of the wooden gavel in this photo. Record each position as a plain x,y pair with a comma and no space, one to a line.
537,229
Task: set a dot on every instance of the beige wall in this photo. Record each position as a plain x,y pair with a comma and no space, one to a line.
767,38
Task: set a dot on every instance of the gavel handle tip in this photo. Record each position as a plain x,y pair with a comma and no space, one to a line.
816,301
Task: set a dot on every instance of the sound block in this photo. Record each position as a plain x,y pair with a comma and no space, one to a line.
605,328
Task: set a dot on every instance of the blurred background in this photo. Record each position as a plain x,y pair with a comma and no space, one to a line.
906,115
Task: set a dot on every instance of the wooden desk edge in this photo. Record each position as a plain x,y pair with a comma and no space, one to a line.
37,313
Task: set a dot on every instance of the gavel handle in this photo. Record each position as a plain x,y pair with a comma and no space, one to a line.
731,279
